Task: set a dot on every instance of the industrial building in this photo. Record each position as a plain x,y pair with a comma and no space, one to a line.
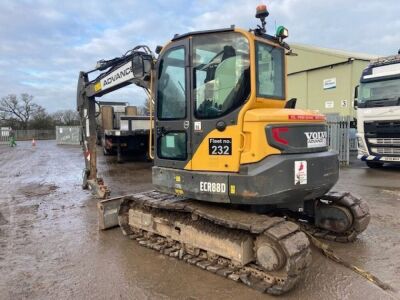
324,79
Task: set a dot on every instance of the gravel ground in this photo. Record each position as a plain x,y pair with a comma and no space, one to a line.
50,247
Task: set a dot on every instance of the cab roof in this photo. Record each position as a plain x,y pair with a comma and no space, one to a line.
227,29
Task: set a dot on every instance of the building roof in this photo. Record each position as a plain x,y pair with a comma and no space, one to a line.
312,57
335,52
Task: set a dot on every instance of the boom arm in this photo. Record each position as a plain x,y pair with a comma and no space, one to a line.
133,67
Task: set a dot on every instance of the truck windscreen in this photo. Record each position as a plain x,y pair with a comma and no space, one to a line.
379,93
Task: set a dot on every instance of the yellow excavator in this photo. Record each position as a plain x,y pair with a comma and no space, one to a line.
236,166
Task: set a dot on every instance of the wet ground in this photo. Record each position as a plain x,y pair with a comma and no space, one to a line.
50,247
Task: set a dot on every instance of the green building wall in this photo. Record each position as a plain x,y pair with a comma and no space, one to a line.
313,65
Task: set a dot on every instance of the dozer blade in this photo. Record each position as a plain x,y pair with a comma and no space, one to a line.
107,211
266,253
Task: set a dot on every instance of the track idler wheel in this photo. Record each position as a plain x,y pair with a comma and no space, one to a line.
270,256
333,217
339,216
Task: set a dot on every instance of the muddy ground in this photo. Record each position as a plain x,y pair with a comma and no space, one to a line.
50,247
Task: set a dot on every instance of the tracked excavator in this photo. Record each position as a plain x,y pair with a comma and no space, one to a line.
239,173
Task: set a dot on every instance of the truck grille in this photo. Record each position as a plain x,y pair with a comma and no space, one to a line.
382,129
383,137
384,141
385,150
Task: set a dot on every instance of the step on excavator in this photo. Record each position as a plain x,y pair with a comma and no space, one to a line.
239,173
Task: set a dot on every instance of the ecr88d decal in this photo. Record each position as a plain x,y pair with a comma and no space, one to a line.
220,146
212,187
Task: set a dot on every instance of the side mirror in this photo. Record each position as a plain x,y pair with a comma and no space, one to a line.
141,64
356,92
158,49
356,97
137,65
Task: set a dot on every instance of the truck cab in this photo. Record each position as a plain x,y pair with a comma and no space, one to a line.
378,112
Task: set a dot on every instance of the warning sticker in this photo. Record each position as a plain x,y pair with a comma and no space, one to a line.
197,126
300,172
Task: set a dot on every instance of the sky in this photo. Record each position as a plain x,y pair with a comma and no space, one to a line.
44,44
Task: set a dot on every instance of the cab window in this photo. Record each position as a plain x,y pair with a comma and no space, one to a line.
221,73
171,87
270,71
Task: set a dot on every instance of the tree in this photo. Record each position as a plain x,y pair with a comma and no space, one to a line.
66,117
6,121
18,110
41,120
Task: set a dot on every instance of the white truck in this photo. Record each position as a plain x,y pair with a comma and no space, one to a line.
378,112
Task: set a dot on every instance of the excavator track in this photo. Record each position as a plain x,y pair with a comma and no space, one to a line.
359,215
269,254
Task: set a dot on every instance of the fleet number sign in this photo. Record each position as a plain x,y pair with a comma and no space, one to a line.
220,146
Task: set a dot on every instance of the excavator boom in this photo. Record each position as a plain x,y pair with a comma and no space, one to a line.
134,67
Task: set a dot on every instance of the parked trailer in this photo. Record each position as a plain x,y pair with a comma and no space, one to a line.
120,131
132,137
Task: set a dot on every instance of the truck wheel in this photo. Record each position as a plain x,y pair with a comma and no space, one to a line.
374,165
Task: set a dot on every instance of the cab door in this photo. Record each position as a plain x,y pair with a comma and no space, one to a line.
172,113
220,88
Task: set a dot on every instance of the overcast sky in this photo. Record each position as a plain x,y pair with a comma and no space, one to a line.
44,44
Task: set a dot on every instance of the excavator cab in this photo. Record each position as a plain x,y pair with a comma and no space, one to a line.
202,79
222,133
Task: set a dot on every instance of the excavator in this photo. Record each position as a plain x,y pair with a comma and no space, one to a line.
239,173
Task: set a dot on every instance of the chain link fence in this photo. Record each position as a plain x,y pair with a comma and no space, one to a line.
26,135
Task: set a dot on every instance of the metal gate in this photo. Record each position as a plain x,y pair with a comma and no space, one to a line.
341,137
68,135
5,133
